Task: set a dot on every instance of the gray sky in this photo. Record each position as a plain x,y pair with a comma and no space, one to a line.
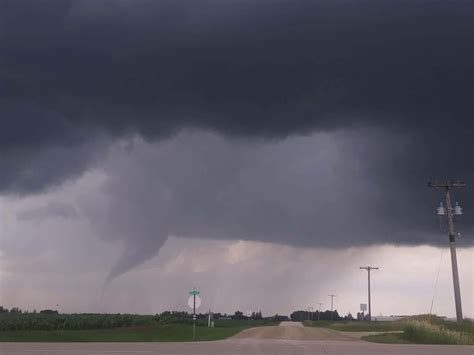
132,131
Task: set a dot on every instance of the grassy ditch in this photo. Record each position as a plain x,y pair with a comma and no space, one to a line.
429,332
421,329
387,338
423,332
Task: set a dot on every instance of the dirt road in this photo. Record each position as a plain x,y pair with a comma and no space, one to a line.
296,331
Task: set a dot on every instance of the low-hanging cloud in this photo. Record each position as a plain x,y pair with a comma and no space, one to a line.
52,209
314,191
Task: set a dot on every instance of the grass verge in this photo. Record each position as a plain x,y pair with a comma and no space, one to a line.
423,332
435,331
358,326
386,338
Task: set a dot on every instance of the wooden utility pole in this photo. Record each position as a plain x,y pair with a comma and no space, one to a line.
332,305
447,186
368,268
319,310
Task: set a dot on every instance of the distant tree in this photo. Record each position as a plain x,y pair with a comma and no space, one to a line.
256,315
217,315
48,311
238,315
299,316
16,310
278,318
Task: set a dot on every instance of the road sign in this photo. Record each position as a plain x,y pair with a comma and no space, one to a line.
363,307
191,301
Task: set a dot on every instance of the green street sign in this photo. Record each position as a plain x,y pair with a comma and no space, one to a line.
194,293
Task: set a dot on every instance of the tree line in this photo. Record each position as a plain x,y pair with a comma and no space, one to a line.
300,316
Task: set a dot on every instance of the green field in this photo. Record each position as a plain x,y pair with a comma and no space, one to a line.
156,332
358,326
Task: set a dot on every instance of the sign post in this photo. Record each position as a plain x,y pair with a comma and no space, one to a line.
194,301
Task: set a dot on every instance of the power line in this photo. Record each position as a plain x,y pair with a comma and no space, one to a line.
436,284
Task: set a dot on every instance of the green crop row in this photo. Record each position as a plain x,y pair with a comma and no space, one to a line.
38,321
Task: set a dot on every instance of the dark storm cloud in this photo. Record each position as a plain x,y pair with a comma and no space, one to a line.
40,148
70,69
75,76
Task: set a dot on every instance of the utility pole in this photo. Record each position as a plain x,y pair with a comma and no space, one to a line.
319,311
368,268
310,315
447,186
332,305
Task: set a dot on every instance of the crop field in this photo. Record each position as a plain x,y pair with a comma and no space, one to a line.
169,332
114,328
47,322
